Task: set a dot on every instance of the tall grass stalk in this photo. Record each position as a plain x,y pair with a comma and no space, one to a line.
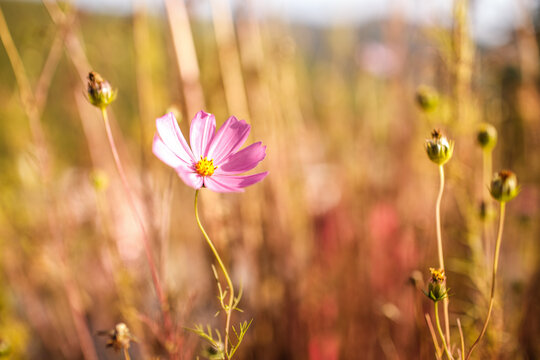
33,105
493,280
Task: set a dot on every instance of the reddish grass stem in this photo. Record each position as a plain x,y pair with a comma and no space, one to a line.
129,193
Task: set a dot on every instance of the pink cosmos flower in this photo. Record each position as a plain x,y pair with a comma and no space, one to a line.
213,161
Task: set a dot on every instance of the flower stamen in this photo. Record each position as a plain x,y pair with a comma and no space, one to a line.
205,167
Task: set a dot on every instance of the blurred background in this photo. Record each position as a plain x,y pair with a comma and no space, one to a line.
333,248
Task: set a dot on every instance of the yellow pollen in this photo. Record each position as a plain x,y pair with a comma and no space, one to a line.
205,167
437,274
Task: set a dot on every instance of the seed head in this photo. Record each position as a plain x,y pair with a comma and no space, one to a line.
486,136
427,98
100,92
437,285
439,149
504,186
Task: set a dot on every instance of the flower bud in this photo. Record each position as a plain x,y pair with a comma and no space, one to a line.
427,98
439,148
215,352
437,285
5,348
100,92
99,180
486,136
504,186
119,337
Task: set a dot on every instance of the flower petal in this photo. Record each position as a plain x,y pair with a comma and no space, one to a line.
172,137
203,127
229,138
164,153
244,160
189,176
224,183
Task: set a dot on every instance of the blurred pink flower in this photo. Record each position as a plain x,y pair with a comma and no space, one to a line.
213,161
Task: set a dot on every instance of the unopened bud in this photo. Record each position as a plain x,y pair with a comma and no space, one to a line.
100,92
100,180
5,348
439,148
437,285
486,136
504,186
215,352
119,337
427,98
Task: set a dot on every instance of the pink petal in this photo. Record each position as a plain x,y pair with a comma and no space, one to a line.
172,137
190,177
203,127
164,153
229,138
224,183
244,160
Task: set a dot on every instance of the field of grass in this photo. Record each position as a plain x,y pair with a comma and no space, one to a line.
331,251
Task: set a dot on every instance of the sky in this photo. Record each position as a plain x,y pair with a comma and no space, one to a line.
492,20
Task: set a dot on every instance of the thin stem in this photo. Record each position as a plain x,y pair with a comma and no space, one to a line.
486,173
438,217
438,323
493,279
440,247
433,337
126,354
146,240
462,339
229,308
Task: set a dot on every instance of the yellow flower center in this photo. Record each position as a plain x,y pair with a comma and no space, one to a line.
437,275
205,167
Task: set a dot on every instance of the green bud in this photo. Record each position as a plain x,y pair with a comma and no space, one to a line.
486,136
439,148
504,186
5,348
100,92
215,352
427,98
437,290
99,180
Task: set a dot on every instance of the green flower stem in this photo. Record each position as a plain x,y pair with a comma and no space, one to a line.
494,277
129,193
486,178
440,247
228,309
438,323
